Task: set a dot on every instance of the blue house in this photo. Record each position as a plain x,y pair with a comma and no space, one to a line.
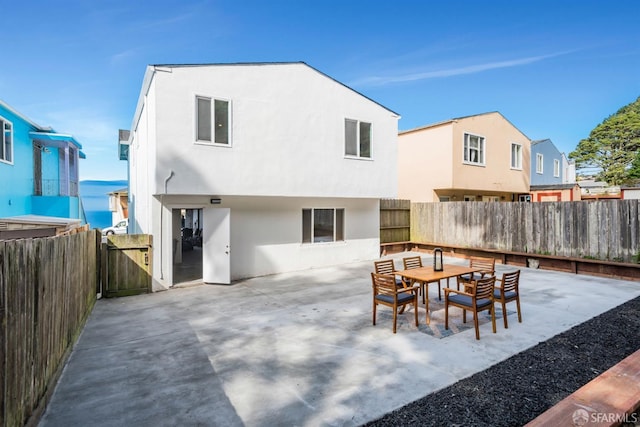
546,163
38,170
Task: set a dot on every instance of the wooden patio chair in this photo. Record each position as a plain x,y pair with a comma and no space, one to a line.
386,292
508,291
487,267
387,266
416,262
479,299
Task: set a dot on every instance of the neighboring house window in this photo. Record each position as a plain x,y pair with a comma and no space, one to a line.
357,138
212,117
6,150
516,156
469,198
445,198
322,225
539,159
556,168
473,149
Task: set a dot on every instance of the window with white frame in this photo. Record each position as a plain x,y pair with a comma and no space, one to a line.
516,156
469,198
321,225
473,149
213,120
357,138
6,141
556,168
539,160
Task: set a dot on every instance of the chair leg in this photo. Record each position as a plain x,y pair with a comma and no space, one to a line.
395,318
415,309
475,323
374,313
504,315
464,316
493,317
439,291
518,305
446,312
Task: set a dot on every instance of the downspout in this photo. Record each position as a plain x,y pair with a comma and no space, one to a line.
166,181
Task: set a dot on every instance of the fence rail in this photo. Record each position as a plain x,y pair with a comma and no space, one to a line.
607,230
47,289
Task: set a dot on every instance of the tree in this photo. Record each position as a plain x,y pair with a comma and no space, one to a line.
612,147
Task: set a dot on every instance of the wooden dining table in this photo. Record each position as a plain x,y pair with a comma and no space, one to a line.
425,275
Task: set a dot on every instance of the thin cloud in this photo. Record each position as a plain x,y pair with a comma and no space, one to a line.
122,56
471,69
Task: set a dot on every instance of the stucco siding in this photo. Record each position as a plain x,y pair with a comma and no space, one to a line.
266,234
431,161
425,163
141,165
15,199
287,134
496,174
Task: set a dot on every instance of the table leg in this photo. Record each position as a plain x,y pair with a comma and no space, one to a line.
426,304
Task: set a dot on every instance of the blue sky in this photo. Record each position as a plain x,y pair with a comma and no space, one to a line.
555,69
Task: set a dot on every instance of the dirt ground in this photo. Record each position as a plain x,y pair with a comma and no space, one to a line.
524,386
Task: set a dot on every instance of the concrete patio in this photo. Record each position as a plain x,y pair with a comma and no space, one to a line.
295,349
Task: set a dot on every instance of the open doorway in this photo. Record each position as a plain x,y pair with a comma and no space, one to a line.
187,250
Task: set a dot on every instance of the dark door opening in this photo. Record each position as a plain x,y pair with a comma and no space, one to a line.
187,254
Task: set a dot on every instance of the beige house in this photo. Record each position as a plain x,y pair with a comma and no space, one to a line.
475,158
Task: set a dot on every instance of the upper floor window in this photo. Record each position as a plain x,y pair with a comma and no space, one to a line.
539,160
516,156
6,141
213,119
357,138
473,149
322,225
556,168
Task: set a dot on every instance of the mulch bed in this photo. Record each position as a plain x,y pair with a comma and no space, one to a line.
524,386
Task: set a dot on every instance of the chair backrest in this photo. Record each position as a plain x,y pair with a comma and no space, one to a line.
383,284
486,265
484,287
412,262
385,266
510,281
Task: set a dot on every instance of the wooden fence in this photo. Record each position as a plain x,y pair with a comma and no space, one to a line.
126,265
47,290
607,230
395,220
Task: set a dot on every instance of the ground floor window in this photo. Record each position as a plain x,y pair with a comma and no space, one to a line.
322,225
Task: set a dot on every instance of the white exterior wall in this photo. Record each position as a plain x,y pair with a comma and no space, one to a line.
142,167
266,234
287,135
286,154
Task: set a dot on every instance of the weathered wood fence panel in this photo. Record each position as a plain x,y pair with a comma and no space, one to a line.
606,230
128,265
395,220
47,290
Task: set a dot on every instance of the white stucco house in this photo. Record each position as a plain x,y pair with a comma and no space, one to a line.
285,165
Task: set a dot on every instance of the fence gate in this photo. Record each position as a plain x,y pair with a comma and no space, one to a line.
127,269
